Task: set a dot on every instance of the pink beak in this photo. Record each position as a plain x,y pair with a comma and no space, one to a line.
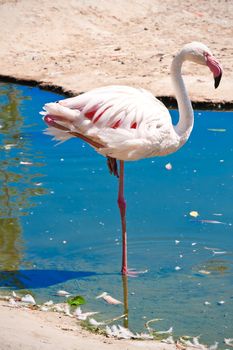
215,68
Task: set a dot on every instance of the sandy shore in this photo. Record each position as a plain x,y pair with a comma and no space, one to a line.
79,45
37,330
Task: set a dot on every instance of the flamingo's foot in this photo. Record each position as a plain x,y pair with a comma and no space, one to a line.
132,272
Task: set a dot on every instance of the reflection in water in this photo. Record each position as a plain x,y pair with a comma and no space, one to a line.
17,184
217,265
10,242
126,304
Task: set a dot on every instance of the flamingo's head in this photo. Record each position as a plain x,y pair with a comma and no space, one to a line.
201,54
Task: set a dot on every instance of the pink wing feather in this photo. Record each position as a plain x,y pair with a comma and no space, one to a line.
128,122
114,106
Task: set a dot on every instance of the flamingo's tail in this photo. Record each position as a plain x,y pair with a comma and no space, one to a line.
60,120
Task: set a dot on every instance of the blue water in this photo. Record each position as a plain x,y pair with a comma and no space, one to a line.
60,227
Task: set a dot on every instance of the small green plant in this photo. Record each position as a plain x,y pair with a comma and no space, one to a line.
76,301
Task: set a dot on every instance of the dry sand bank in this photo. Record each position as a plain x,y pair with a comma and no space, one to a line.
79,45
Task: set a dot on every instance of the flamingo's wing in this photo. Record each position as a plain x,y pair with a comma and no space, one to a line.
124,120
118,107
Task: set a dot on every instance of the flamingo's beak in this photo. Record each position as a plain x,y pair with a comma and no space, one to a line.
215,68
217,80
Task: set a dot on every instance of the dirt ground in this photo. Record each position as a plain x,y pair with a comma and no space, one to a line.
79,45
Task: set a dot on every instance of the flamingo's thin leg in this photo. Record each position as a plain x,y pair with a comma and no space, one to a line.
122,207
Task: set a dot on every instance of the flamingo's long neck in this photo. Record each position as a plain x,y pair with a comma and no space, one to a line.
186,119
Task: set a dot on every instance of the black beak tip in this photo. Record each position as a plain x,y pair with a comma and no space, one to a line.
217,80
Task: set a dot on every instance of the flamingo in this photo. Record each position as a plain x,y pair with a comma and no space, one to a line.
125,123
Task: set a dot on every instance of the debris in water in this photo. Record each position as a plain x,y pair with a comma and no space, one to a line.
228,341
63,293
120,332
83,315
25,163
210,248
177,268
9,146
15,295
168,166
204,272
93,322
194,344
214,346
150,321
218,252
211,222
170,340
28,299
101,295
169,331
217,130
194,213
109,299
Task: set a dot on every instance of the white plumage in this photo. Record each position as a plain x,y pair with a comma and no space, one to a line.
129,123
